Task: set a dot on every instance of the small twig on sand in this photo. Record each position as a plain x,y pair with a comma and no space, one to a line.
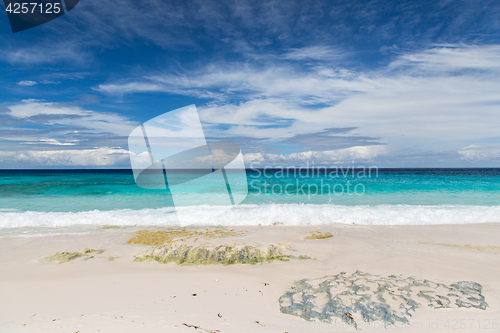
200,328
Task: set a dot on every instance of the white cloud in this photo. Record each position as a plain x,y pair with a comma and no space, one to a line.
450,58
27,83
49,82
226,82
51,142
53,134
80,157
325,53
132,87
45,54
256,158
475,153
433,100
340,156
73,116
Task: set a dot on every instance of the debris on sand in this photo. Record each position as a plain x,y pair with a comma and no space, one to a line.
196,327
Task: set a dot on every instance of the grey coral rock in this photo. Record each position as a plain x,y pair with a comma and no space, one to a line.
369,298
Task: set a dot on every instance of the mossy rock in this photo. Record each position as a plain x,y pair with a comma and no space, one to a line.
319,235
165,237
226,254
110,226
487,248
63,257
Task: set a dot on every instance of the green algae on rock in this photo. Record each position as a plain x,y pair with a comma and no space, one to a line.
149,237
63,257
364,297
319,235
110,226
226,254
486,248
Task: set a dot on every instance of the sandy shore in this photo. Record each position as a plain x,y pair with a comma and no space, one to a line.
110,292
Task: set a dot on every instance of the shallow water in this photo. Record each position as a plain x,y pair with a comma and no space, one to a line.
50,198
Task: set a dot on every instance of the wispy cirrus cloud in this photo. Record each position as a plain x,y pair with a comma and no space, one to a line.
54,114
27,83
319,52
451,59
254,28
432,100
278,75
35,132
96,157
242,80
330,96
35,54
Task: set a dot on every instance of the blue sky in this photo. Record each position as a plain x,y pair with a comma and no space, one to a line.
386,83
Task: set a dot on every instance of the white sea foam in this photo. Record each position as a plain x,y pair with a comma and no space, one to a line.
288,214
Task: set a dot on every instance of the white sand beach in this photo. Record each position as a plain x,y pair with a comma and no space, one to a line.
111,292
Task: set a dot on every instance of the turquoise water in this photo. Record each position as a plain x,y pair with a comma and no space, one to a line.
28,197
84,190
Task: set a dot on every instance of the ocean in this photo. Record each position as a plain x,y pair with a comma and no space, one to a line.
55,201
